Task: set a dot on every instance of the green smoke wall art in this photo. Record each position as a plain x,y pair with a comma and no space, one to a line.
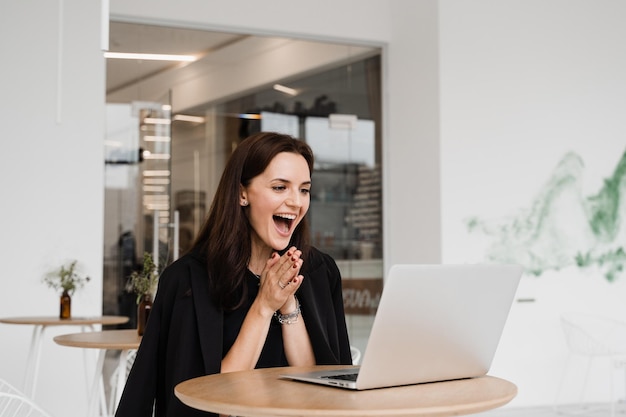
561,227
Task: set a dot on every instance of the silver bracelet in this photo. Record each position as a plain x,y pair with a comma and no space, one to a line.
290,318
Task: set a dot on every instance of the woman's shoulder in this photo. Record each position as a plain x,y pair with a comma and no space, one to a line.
318,260
187,265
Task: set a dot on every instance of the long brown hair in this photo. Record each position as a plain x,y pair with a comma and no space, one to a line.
225,237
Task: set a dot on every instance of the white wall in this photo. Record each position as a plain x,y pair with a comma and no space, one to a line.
523,82
51,115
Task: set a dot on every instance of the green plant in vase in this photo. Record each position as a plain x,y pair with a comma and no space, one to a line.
67,280
144,284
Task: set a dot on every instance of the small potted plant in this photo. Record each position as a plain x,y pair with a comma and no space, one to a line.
144,283
67,280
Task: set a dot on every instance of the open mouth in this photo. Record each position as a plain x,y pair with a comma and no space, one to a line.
283,222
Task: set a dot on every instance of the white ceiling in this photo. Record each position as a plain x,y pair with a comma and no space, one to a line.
133,37
229,64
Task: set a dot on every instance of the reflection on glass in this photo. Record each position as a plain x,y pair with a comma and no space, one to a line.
137,197
174,161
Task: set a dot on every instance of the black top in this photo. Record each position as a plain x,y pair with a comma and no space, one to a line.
273,353
187,333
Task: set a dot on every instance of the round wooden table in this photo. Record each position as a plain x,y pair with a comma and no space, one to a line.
73,321
40,324
123,340
262,392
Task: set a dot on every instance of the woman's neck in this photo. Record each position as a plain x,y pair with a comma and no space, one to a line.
259,257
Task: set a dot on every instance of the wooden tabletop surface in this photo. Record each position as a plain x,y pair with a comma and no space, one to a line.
106,339
56,321
262,393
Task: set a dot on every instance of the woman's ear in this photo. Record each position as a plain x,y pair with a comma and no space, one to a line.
243,196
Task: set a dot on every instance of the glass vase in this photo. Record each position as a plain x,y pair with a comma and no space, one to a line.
66,306
143,312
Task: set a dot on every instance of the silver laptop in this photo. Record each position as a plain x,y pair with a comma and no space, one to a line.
434,323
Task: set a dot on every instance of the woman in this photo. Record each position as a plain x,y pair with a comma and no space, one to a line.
251,293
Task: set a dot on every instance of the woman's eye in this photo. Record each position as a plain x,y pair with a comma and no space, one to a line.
305,191
278,187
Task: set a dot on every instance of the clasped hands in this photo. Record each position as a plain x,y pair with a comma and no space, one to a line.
279,281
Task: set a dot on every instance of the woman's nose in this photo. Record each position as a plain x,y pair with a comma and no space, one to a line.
294,200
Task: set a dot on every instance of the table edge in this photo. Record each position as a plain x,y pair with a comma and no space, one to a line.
434,411
56,321
62,341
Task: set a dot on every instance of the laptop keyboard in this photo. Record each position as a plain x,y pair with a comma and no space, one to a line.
344,377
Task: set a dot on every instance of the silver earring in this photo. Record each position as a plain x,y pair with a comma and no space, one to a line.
244,203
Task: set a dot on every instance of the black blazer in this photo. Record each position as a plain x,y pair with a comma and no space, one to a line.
183,337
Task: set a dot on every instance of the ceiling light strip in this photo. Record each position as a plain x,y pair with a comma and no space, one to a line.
156,121
162,156
149,57
156,181
157,173
188,118
148,138
154,188
284,89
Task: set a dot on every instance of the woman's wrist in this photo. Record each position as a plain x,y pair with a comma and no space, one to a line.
290,306
261,311
291,316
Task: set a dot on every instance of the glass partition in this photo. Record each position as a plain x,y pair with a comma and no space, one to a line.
165,171
138,218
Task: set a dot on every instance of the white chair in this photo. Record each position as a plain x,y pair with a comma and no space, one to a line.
356,355
5,386
591,337
16,405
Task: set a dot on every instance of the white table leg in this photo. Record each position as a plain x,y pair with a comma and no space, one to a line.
94,397
31,374
32,362
121,378
87,359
